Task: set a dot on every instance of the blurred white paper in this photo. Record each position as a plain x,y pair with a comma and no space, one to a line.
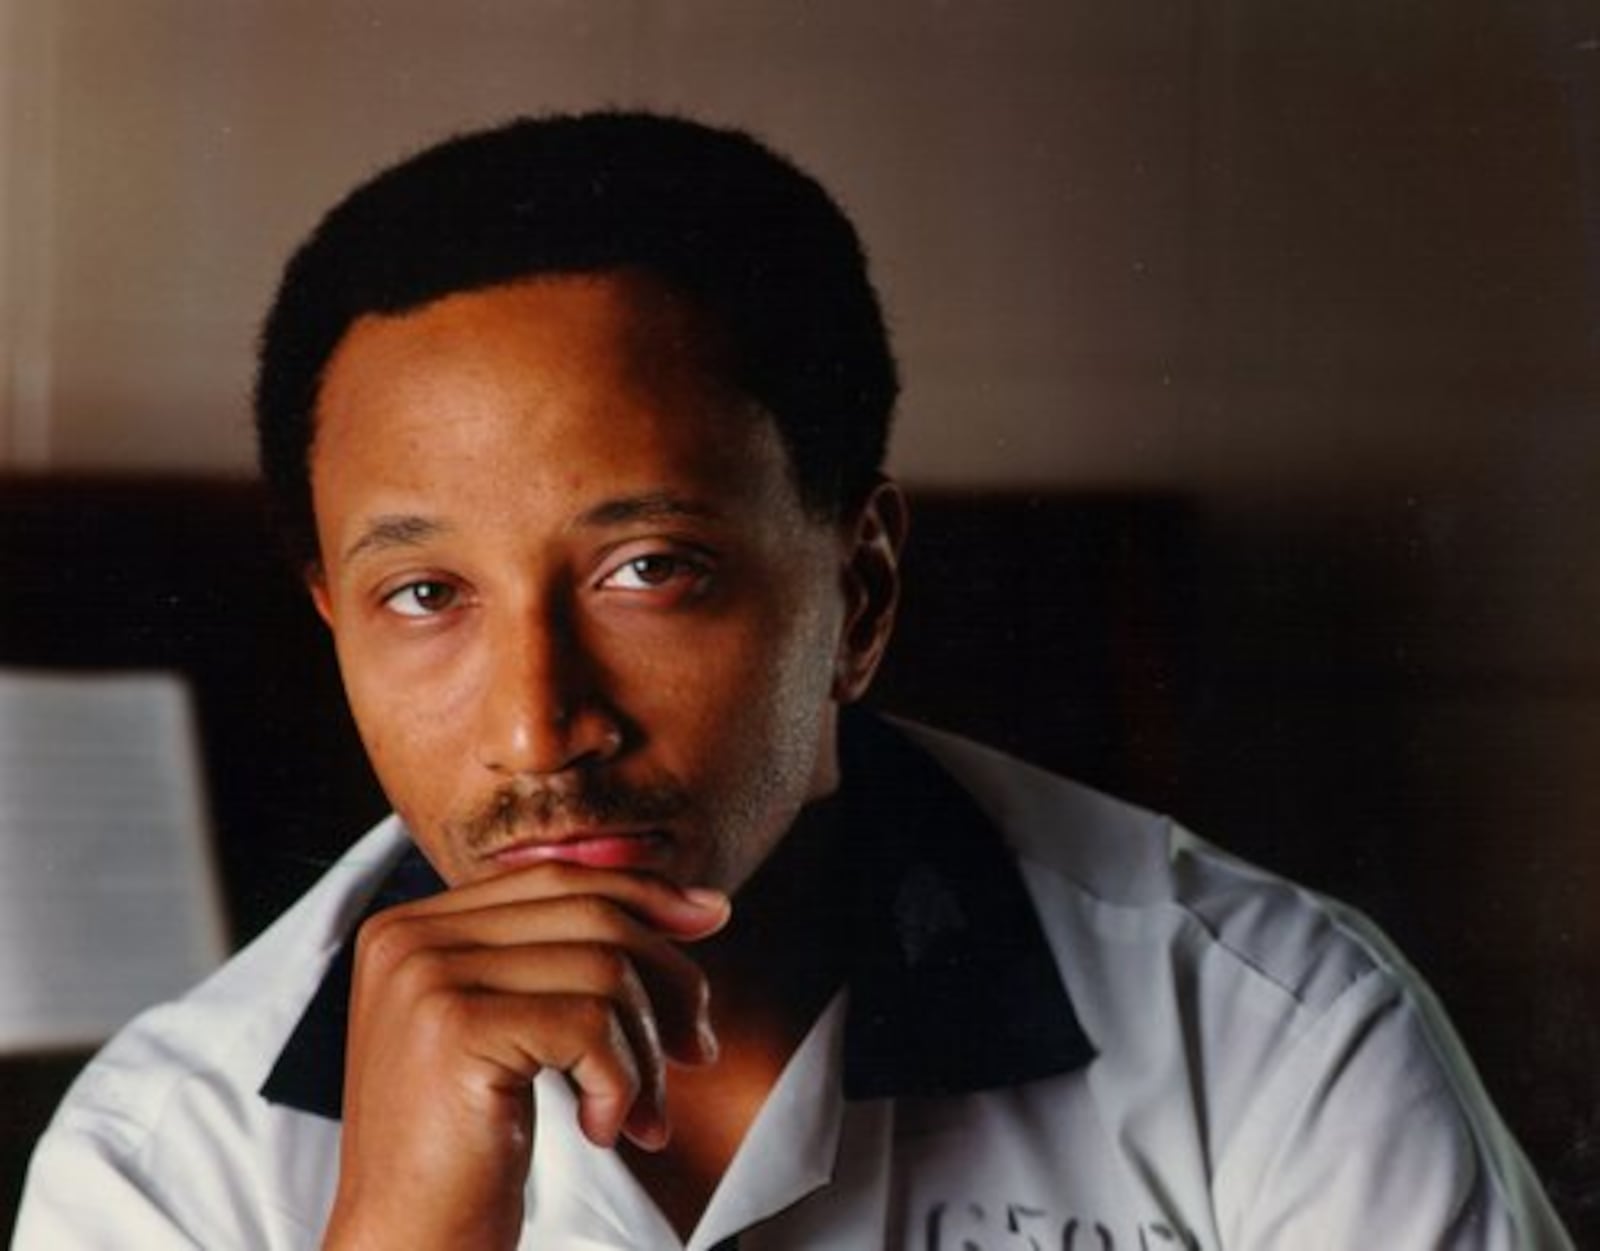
108,897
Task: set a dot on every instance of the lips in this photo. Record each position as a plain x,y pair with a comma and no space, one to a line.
598,849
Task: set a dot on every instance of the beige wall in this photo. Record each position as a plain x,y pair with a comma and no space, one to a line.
1000,165
1333,269
1161,241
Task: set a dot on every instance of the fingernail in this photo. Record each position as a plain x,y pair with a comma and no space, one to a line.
660,1130
651,1137
705,899
706,1038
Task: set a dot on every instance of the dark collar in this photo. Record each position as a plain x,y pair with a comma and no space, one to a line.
952,985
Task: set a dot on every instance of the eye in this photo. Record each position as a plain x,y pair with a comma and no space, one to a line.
426,598
655,571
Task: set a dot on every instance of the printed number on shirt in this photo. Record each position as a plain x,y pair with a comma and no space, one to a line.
1022,1227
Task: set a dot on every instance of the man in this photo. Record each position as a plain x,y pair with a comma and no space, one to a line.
577,426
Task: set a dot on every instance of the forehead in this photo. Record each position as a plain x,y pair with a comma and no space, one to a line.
615,327
566,387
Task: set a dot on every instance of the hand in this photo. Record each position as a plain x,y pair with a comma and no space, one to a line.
460,1000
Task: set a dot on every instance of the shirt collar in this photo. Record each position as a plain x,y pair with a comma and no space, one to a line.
952,986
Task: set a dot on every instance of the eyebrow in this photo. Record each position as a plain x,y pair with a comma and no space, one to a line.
412,530
396,530
655,506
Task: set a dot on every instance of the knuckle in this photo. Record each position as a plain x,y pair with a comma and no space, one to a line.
599,917
610,971
393,956
417,972
594,1018
441,1013
384,942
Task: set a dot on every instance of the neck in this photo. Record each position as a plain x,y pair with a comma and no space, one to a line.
782,954
772,971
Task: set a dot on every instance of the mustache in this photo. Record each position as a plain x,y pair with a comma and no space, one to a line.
513,810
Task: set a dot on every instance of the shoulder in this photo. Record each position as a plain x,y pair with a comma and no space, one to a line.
1181,961
174,1092
1267,1024
1130,878
233,1022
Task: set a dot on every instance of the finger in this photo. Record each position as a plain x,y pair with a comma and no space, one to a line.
582,1010
609,955
606,1113
581,1036
685,913
608,1104
427,952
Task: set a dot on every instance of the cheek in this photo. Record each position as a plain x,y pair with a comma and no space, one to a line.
409,732
771,756
394,744
745,680
773,707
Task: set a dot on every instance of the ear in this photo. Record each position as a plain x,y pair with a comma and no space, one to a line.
871,589
317,584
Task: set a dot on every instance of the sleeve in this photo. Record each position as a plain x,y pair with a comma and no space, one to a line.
1374,1131
81,1195
147,1160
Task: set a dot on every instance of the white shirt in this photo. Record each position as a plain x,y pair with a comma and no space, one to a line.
1092,1032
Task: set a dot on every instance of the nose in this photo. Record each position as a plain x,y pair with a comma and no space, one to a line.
543,710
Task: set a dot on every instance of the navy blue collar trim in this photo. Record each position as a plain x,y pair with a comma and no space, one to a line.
952,986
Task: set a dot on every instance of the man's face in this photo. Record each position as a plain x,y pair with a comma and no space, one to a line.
578,606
